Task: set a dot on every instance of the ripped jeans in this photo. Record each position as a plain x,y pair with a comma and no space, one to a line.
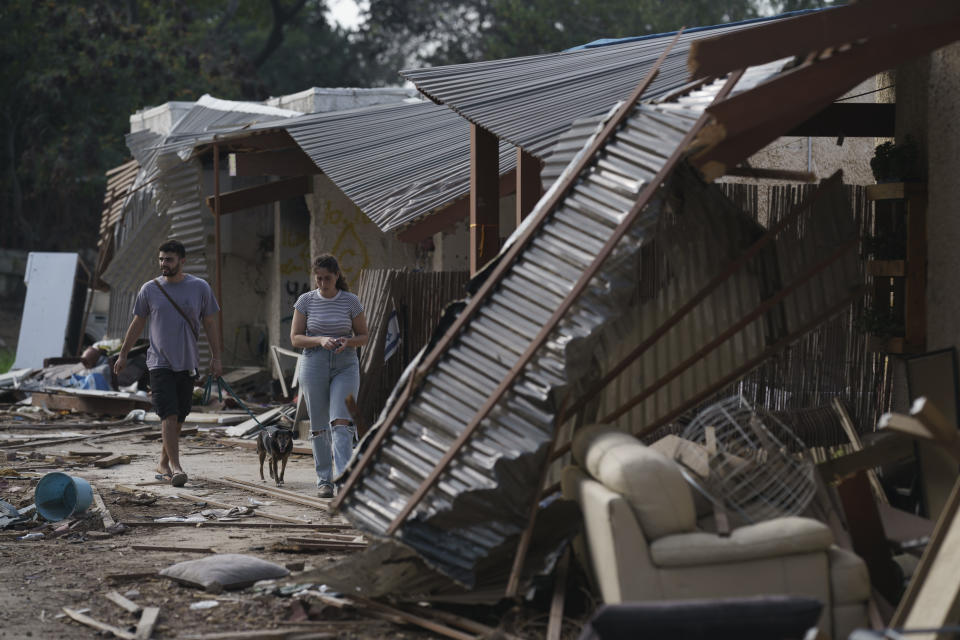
326,379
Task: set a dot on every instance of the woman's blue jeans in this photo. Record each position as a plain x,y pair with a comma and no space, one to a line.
326,379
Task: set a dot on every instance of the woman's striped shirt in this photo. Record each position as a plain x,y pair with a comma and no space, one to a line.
329,316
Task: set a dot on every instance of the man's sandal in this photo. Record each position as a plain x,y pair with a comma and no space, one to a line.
179,479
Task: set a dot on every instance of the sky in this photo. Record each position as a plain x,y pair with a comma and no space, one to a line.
345,12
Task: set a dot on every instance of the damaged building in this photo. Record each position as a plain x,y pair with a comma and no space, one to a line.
664,382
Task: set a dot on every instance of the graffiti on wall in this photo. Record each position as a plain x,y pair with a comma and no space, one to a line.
348,247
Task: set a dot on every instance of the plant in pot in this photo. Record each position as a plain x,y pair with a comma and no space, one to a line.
894,162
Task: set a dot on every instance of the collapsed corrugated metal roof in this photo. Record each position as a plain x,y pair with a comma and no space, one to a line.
455,463
530,101
396,162
165,201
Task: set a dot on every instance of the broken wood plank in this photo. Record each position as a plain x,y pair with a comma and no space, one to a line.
933,594
261,634
555,621
115,432
128,605
886,449
91,454
148,620
115,404
275,493
256,512
96,624
847,423
329,537
160,547
113,578
112,461
311,547
466,623
108,520
411,618
237,525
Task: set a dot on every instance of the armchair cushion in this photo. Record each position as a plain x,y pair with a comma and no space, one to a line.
648,480
849,580
771,538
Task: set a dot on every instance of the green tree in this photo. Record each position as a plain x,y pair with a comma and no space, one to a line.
437,32
72,73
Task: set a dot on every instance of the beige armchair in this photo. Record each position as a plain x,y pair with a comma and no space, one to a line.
641,540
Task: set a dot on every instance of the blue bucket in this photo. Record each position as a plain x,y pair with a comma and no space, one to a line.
60,496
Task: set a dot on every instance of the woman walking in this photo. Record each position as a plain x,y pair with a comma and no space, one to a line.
328,323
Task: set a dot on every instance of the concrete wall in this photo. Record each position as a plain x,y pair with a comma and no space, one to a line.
339,227
245,250
927,95
942,144
451,247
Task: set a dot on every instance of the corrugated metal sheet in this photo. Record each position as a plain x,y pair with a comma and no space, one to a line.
166,201
484,495
119,182
396,162
530,101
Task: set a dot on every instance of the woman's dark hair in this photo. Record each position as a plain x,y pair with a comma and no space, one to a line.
173,246
328,262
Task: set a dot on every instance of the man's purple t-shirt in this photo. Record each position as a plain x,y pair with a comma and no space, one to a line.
172,342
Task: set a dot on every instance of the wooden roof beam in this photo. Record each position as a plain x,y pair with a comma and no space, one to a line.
747,121
850,120
815,32
283,162
250,197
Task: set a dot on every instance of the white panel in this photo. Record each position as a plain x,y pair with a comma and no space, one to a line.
43,327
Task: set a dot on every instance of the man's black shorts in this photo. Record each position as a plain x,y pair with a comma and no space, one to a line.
172,392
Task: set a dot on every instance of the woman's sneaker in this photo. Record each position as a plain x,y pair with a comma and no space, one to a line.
325,491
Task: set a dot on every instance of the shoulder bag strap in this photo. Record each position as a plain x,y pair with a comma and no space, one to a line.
196,334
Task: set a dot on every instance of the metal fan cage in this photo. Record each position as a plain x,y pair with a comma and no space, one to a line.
745,459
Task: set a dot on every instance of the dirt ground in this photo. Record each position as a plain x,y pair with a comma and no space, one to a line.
78,569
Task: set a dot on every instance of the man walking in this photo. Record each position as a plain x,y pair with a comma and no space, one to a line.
176,304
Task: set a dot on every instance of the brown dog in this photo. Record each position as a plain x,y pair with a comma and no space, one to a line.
278,444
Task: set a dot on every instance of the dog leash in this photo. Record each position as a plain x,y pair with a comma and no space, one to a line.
221,386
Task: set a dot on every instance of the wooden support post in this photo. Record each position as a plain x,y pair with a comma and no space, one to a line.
529,186
484,197
915,288
867,535
216,235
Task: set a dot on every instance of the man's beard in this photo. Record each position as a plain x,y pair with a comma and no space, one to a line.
168,272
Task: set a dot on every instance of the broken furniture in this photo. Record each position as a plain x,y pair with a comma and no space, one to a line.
642,542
